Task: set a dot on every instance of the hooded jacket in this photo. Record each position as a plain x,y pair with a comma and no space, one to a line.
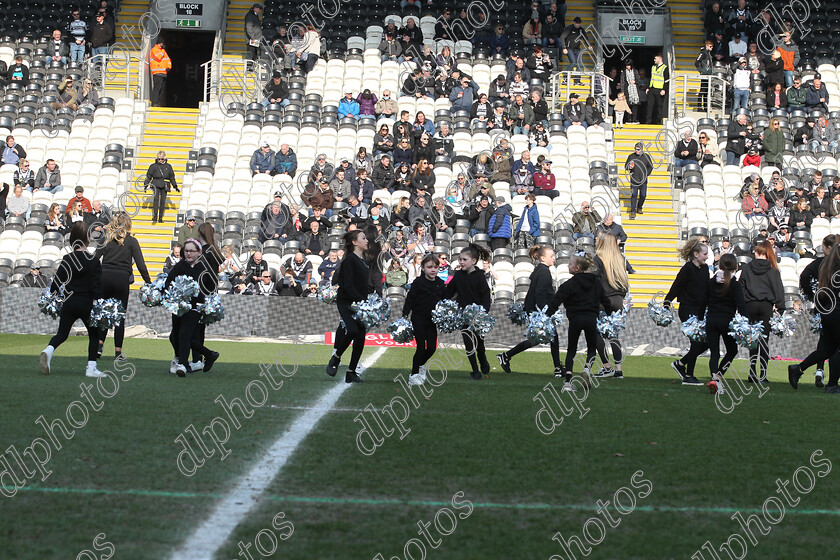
285,163
499,224
532,217
762,282
813,95
81,275
422,298
582,294
541,289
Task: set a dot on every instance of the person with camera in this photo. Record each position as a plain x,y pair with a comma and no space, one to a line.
161,176
288,286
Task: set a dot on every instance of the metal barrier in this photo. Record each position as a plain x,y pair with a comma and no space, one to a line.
117,72
234,80
562,86
693,93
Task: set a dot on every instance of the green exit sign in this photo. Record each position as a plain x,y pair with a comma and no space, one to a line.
633,39
187,23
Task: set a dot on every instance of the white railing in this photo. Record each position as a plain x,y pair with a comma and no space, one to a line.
562,85
703,96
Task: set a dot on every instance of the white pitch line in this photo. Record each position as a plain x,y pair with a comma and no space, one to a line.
203,543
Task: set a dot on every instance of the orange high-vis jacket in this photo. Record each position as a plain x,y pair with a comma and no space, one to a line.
159,61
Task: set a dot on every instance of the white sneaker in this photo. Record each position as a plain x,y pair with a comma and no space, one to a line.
196,366
568,387
173,366
93,371
416,379
181,370
46,358
587,378
422,374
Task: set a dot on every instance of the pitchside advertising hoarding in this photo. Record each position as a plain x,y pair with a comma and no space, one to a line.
624,29
373,339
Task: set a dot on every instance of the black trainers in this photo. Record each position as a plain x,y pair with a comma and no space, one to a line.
209,360
485,367
332,367
558,372
352,377
618,375
680,369
605,372
691,380
504,361
794,373
476,375
818,379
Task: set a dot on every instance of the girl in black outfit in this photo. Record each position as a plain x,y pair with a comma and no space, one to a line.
426,291
583,297
81,275
612,272
809,275
826,303
690,287
352,278
185,332
119,251
212,259
471,286
763,289
725,297
372,258
539,295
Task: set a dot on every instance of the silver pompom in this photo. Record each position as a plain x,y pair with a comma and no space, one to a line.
745,333
783,325
212,310
178,296
107,313
50,303
541,328
401,330
447,316
695,328
610,326
372,312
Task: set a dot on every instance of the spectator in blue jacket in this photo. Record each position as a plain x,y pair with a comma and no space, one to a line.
528,228
348,107
263,160
285,161
816,94
499,43
499,226
462,95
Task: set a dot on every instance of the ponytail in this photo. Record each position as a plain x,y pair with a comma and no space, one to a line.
476,252
538,251
691,248
728,264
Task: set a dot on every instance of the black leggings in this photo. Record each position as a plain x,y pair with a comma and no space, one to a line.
717,326
826,348
474,345
425,333
184,336
527,344
696,348
76,308
616,304
586,324
353,332
158,203
115,285
760,311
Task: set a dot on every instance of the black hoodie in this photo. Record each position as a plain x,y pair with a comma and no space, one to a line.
422,298
691,288
541,289
471,288
762,282
81,275
582,294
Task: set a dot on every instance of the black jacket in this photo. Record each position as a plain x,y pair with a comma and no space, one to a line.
470,288
541,290
690,287
195,272
118,258
422,298
582,294
809,275
81,275
161,176
609,289
352,278
763,283
720,304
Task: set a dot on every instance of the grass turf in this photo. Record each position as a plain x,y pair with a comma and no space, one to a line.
118,475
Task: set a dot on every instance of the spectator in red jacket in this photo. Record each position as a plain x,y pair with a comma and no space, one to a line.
80,197
752,158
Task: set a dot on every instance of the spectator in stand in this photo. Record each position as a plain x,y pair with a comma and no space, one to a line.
327,267
348,107
35,279
75,213
834,206
796,96
740,19
360,161
801,216
639,166
737,47
620,109
720,51
774,70
262,286
396,276
500,225
585,222
779,213
573,112
285,161
423,150
299,267
528,227
785,244
390,48
96,221
736,139
741,85
539,136
418,211
316,214
18,72
714,19
539,107
522,115
253,31
824,134
462,95
481,112
532,32
403,152
423,181
319,195
386,107
57,50
777,97
78,31
383,142
262,160
256,268
173,258
18,204
11,152
752,158
341,186
367,104
276,91
274,224
551,31
102,34
49,178
777,192
774,144
754,204
592,114
572,40
539,64
187,231
810,186
422,126
611,227
361,187
326,169
816,94
412,85
315,241
420,241
789,53
820,204
383,174
686,150
518,86
444,142
523,182
53,221
499,89
479,215
499,43
544,180
24,175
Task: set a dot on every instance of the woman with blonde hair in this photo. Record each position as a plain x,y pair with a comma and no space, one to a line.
120,251
612,273
774,143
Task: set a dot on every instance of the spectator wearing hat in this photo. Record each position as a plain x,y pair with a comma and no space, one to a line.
785,243
327,169
189,230
319,195
544,179
737,47
572,40
499,90
49,178
79,197
262,161
539,136
824,134
102,33
816,94
741,84
276,91
253,31
390,48
479,215
725,248
34,278
285,161
348,107
752,158
573,112
804,133
834,205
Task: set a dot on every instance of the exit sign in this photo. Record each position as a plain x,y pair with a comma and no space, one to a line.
187,23
633,39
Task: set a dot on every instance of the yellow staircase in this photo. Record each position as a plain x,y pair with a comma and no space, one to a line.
653,237
687,26
173,131
129,37
235,46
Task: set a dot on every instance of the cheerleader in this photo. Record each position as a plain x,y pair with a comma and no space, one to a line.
120,250
373,259
582,295
540,293
725,297
763,289
353,280
690,287
826,304
185,332
470,285
612,272
426,291
806,280
80,273
212,259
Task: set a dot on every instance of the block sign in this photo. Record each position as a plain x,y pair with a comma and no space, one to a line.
632,24
189,9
